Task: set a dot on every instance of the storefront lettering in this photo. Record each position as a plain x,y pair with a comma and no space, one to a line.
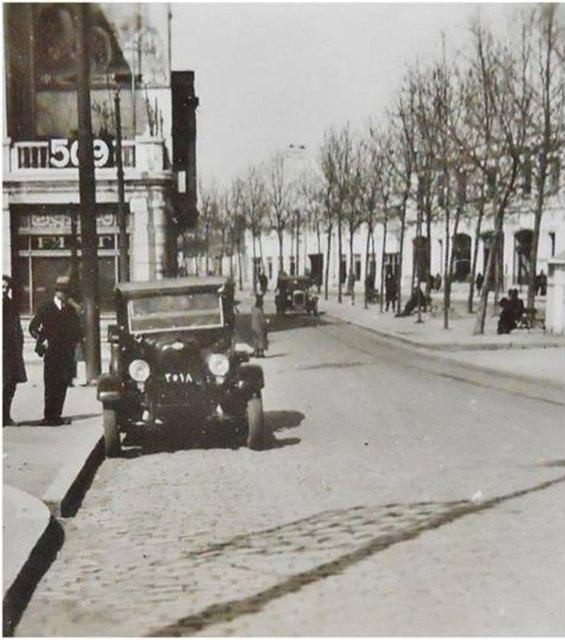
63,153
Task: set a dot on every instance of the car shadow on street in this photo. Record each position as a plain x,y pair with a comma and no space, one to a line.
39,422
171,440
277,420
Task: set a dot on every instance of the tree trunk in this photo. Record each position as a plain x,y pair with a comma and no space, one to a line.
280,236
351,263
402,232
297,244
428,210
447,292
254,269
326,286
367,246
446,284
479,328
340,251
261,252
239,266
475,256
385,225
535,238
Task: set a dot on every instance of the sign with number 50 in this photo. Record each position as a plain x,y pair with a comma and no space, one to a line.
64,153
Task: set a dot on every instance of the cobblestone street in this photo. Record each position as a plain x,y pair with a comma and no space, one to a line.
395,501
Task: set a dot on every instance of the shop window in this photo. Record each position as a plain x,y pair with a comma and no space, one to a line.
554,175
357,266
392,263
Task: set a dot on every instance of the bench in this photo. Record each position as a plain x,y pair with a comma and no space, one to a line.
530,320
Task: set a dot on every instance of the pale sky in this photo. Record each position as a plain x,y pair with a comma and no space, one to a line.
271,75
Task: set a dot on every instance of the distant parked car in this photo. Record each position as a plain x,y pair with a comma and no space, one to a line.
296,293
174,363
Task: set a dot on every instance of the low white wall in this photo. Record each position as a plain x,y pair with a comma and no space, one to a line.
555,308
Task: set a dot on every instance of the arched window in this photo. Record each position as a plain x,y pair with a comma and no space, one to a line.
523,241
461,257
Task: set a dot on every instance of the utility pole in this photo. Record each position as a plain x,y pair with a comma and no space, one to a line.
87,191
123,271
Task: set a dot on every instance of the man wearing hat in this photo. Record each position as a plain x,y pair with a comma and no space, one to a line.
56,329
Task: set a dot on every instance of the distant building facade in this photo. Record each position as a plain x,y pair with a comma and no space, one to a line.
309,252
130,50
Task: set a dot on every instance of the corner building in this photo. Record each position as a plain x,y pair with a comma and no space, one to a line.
130,51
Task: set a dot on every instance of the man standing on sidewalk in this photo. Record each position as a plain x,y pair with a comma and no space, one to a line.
13,367
56,328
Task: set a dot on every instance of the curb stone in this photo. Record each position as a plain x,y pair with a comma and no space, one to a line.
35,538
546,390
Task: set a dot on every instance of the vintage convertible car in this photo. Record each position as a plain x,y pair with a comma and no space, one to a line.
295,293
174,363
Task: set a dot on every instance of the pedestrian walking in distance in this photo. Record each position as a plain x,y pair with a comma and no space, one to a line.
479,281
13,367
263,283
390,290
259,328
56,329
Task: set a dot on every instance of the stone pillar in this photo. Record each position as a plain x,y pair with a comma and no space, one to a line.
157,233
149,154
7,236
140,263
555,305
6,159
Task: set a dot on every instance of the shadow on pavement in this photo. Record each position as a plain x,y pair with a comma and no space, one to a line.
367,530
169,439
19,594
277,420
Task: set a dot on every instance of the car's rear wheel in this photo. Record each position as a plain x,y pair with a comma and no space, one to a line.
112,444
256,423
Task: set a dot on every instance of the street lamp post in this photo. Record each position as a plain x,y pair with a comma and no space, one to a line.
123,271
87,192
418,251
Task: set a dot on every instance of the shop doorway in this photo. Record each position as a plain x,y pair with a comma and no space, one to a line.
523,241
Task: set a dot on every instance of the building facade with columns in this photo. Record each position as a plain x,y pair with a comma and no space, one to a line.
307,251
130,54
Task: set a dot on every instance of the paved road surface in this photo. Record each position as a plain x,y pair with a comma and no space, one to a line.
397,501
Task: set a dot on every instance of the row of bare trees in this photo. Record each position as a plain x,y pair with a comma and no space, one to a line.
464,141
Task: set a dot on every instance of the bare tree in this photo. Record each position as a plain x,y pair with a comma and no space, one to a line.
336,156
279,197
372,169
255,209
493,133
208,219
548,130
234,221
403,158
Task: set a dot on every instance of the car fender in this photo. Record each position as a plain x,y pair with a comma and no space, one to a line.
110,388
251,376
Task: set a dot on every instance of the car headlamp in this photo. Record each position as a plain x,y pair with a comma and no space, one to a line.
218,364
139,370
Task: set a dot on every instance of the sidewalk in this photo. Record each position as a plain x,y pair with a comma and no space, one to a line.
522,354
46,471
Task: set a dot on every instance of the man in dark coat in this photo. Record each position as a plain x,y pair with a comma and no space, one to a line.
263,283
13,367
391,290
56,328
259,328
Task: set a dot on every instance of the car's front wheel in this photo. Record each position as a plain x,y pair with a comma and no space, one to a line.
256,423
112,444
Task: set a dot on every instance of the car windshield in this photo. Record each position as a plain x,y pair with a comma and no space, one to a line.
175,311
